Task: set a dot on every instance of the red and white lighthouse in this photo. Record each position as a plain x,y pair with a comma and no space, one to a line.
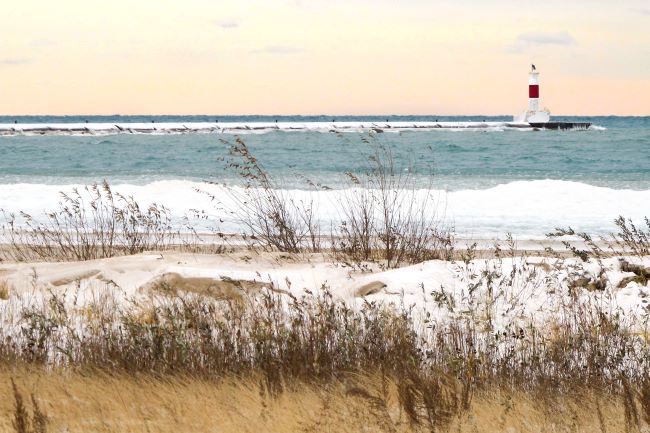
533,90
533,114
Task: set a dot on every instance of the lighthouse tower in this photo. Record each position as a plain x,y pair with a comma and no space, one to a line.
533,114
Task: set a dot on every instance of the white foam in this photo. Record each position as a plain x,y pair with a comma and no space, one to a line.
528,209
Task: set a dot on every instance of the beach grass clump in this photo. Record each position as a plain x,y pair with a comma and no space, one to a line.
5,290
387,215
90,223
632,238
270,218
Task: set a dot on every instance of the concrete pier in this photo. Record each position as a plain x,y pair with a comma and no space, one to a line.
263,127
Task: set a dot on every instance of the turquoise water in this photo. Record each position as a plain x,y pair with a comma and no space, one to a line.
572,169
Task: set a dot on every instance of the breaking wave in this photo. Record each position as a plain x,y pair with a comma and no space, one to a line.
527,209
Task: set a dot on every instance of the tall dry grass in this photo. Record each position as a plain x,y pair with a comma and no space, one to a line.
318,338
5,290
385,215
633,238
95,401
270,218
388,215
89,224
387,366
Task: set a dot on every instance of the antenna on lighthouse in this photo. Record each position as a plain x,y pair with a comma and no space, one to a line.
533,114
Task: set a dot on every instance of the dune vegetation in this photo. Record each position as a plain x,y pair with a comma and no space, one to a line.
194,354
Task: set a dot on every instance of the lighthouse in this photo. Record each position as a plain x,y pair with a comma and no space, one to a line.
533,114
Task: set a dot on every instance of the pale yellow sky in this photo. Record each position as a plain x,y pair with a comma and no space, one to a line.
322,57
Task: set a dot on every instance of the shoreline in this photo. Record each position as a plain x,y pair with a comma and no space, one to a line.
209,242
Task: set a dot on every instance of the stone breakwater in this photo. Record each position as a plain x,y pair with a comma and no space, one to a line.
262,127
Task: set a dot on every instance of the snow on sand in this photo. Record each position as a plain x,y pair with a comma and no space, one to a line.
517,289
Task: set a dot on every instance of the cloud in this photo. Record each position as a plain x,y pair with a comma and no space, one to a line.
226,24
537,39
279,49
42,43
642,11
562,38
14,62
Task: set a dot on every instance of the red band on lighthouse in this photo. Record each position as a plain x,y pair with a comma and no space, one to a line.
533,91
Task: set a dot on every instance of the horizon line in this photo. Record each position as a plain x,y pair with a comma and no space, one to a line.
309,115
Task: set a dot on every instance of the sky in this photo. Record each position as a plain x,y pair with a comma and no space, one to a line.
441,57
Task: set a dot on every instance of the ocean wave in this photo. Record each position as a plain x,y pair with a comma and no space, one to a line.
525,208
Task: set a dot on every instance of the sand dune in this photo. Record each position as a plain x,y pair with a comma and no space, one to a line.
235,276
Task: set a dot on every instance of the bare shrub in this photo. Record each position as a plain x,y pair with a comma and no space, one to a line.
89,224
387,215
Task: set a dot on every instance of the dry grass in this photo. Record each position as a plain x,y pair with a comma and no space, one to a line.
90,223
317,338
98,402
270,218
200,359
388,215
633,238
5,290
